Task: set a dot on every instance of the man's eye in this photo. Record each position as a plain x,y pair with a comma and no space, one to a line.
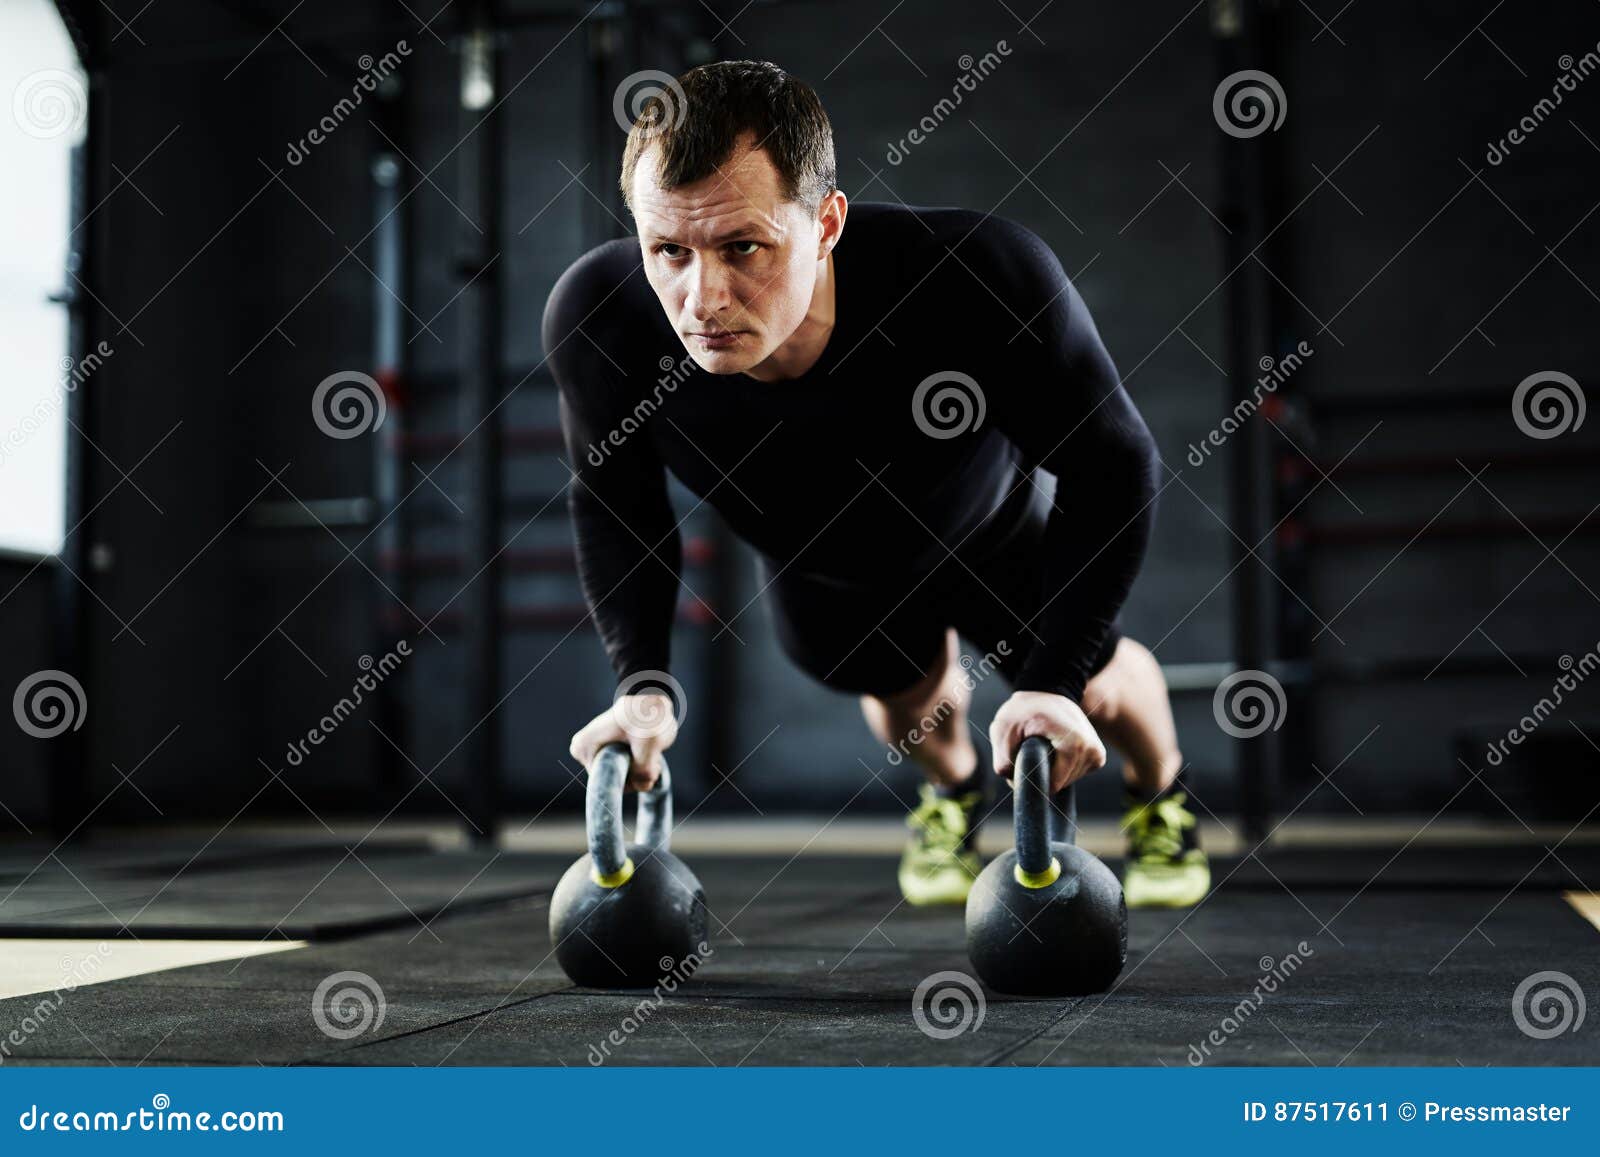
668,249
746,248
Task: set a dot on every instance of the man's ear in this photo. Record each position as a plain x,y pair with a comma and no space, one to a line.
830,216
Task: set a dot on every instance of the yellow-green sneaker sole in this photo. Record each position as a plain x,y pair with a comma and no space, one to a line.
1179,885
948,884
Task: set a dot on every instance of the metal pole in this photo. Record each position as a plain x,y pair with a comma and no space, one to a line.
603,210
391,544
1292,623
1249,478
479,178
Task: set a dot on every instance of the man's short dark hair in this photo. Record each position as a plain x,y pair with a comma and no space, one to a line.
698,129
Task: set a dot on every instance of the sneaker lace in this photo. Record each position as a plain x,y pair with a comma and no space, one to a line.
1155,830
940,823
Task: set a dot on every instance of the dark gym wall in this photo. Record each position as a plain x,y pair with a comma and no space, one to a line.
26,616
239,295
1085,200
246,277
1435,270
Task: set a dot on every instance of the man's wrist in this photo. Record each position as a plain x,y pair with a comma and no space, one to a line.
1069,691
647,680
655,685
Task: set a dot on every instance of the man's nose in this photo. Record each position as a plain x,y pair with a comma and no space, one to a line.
710,288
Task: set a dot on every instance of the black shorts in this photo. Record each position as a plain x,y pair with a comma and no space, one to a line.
882,640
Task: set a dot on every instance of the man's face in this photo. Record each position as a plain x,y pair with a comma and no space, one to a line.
733,263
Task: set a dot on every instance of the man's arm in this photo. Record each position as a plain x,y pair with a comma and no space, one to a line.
1060,400
629,550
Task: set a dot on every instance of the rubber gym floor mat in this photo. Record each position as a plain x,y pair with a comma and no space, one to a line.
249,1011
318,894
1396,978
817,963
109,856
838,1001
1531,865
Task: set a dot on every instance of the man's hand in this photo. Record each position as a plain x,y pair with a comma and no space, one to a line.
1058,719
645,722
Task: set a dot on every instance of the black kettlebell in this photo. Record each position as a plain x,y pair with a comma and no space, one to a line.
625,916
1048,918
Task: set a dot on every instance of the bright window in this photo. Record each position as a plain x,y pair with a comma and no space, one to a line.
43,104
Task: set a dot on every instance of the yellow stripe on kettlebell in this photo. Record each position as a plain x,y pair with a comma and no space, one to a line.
1038,879
625,873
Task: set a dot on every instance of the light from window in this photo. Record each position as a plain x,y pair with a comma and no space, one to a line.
43,105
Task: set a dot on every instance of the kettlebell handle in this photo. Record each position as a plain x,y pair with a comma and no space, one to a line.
603,814
1033,812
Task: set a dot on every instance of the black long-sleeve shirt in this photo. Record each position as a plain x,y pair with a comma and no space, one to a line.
832,473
